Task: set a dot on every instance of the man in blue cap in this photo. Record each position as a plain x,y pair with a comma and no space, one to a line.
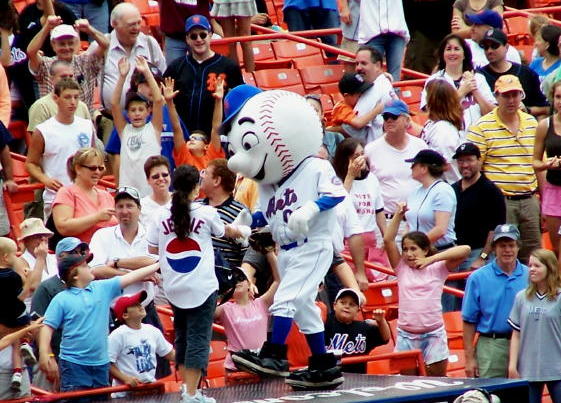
196,74
481,23
489,297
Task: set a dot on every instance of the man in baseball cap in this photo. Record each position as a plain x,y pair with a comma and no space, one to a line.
478,200
489,297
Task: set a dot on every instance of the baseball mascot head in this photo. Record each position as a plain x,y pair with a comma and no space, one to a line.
269,132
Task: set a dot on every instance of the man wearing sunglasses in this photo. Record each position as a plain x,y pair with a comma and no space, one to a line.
196,74
481,23
495,46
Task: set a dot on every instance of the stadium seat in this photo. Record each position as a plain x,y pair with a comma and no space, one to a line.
264,57
215,377
322,79
517,30
18,129
411,95
382,295
397,362
166,318
289,50
454,325
456,364
279,79
306,61
248,78
19,172
15,203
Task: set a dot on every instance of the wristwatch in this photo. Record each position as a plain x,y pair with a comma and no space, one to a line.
484,255
116,262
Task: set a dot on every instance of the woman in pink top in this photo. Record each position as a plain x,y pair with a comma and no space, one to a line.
421,275
244,318
82,208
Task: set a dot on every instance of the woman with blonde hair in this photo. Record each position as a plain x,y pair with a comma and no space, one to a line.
444,131
535,347
82,208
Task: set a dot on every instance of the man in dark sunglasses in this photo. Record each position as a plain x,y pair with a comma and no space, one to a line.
495,46
196,74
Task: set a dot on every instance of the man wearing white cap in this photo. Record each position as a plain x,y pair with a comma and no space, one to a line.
65,41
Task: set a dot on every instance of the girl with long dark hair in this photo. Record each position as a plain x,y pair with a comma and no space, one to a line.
182,236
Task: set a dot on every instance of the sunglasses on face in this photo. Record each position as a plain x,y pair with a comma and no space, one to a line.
157,176
493,45
389,116
94,168
195,35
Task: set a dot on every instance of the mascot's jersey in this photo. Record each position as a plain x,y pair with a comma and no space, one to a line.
313,179
187,265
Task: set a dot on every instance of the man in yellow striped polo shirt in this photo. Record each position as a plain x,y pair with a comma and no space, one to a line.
505,137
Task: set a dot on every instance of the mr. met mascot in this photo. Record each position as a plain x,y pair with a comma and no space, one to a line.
273,137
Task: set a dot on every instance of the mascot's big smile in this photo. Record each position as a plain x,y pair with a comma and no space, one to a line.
261,174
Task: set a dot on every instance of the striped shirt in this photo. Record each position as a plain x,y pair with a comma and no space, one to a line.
232,251
507,157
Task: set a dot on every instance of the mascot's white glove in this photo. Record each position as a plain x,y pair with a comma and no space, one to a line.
242,222
299,220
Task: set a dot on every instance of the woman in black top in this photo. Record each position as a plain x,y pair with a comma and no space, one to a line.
548,140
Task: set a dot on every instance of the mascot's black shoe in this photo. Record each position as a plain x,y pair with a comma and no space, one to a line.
322,373
271,360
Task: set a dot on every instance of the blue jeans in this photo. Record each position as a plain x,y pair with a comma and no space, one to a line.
193,330
312,18
174,49
536,390
391,46
77,377
449,301
98,16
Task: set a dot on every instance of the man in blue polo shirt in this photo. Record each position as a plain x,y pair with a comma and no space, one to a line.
489,297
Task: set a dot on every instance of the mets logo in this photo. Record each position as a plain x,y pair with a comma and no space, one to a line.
183,255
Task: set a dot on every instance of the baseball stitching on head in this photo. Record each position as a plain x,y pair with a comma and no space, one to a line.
273,136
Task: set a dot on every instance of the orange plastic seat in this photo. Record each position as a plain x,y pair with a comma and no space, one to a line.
216,375
15,203
395,363
281,79
264,57
248,78
454,325
306,61
324,79
456,364
166,318
293,50
19,171
517,30
411,95
382,295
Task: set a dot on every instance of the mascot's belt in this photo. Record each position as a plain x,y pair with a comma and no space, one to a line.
293,245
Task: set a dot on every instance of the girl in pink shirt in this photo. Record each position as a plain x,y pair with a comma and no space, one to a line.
421,275
245,319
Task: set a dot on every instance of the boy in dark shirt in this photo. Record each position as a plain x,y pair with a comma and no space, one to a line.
347,336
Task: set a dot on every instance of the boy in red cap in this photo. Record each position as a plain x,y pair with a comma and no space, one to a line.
134,345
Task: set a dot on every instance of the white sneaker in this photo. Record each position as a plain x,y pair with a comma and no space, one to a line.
28,355
17,378
198,398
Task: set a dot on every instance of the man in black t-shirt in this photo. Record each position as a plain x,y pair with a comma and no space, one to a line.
479,201
347,336
495,45
195,75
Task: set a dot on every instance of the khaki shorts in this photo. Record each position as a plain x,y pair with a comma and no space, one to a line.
350,46
492,357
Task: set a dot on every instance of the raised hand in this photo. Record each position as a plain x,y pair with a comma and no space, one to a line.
124,66
53,21
82,25
167,89
219,91
142,65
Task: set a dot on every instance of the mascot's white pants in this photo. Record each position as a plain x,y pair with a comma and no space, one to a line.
302,270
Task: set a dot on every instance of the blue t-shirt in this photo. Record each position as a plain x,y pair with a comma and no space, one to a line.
489,297
536,65
83,315
114,144
424,202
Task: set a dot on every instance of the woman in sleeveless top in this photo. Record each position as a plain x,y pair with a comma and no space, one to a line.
548,140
